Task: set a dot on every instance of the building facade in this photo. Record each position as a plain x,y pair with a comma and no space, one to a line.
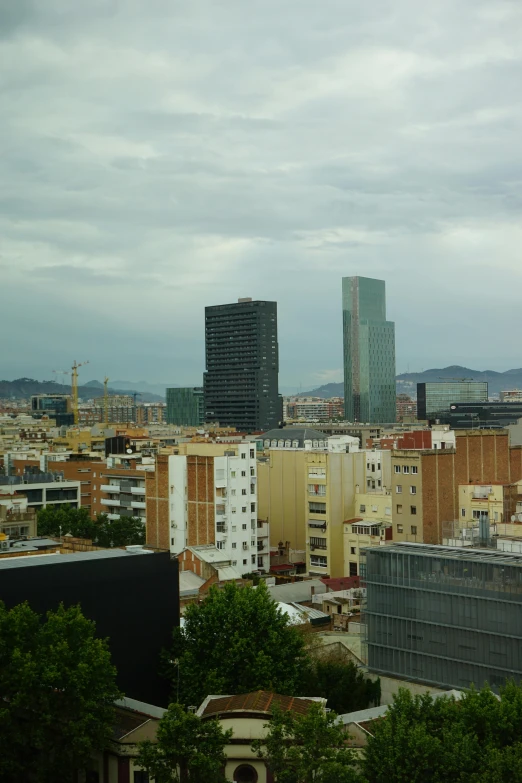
445,616
369,352
242,365
56,406
434,399
207,494
185,406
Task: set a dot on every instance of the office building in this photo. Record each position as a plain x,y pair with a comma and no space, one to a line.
484,415
242,365
55,406
132,595
446,616
185,406
434,399
369,352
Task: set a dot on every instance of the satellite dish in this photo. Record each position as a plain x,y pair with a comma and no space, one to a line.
129,451
513,518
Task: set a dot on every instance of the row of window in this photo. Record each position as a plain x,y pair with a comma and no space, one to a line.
413,489
371,466
406,469
244,492
221,545
233,473
413,509
318,561
413,529
362,509
243,509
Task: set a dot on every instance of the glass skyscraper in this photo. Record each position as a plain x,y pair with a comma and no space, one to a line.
369,352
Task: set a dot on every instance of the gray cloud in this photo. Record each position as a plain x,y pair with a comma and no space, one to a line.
159,157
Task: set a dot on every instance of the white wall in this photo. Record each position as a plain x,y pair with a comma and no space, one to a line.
177,503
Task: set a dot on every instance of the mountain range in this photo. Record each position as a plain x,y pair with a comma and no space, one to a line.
407,382
22,388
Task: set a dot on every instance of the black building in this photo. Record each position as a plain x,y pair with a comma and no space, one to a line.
483,415
132,595
242,365
435,398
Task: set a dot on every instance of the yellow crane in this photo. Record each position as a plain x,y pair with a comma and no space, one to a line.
74,389
106,400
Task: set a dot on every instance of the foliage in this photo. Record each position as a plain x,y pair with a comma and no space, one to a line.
188,750
343,685
104,532
237,641
307,748
58,688
476,739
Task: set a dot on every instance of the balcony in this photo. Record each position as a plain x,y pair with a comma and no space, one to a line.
110,488
138,504
110,503
138,490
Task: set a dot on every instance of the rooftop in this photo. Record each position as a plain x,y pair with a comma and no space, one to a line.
297,592
76,557
260,701
293,433
492,556
335,584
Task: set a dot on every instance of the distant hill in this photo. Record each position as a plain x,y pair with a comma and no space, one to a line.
407,381
22,388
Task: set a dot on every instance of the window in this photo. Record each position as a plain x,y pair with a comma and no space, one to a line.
353,550
243,491
413,509
320,561
400,529
220,544
252,508
234,545
245,774
245,562
414,469
317,489
414,530
405,468
232,491
233,509
253,558
252,454
317,508
243,509
462,512
317,543
234,528
244,527
413,490
353,569
252,471
397,468
362,508
232,474
243,473
234,562
373,467
252,489
243,455
399,508
398,489
245,545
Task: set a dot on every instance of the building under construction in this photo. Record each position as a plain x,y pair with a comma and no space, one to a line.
446,616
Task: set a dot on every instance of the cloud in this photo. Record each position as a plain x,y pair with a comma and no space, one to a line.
161,157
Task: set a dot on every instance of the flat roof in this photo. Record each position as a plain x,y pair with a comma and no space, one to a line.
493,556
75,557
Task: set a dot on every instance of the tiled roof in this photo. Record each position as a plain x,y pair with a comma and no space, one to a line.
260,701
335,584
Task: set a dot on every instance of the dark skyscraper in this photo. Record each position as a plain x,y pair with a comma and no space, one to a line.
369,352
242,365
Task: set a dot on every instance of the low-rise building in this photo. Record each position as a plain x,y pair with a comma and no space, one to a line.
44,489
17,520
360,533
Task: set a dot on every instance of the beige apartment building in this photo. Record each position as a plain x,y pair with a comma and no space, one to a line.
358,534
281,495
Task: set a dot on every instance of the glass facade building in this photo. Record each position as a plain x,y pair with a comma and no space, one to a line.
435,399
447,616
483,415
369,352
242,366
185,406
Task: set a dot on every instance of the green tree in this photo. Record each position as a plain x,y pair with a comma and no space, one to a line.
426,740
188,750
342,683
58,687
308,748
123,531
237,641
63,519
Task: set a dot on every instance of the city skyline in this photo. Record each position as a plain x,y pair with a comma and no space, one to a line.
209,166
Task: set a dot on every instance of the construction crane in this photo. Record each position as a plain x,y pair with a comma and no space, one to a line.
106,400
74,388
61,372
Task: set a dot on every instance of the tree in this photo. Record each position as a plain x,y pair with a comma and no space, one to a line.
342,683
309,748
188,750
103,532
57,687
426,740
237,641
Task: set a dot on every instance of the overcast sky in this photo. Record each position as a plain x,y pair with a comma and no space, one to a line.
159,156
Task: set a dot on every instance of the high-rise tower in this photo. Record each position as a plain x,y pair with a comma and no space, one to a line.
369,352
242,365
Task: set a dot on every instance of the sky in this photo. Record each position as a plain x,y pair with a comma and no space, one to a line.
159,156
